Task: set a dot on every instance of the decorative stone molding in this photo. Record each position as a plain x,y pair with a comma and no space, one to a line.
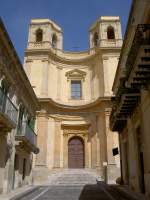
29,61
45,60
76,74
75,132
105,58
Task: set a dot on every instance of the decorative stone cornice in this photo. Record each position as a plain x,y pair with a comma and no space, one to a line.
79,127
75,132
71,108
29,61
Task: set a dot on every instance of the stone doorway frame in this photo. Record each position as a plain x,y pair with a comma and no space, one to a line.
83,134
83,145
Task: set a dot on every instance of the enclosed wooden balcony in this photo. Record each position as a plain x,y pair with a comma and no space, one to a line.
8,113
27,138
117,122
138,62
123,107
137,75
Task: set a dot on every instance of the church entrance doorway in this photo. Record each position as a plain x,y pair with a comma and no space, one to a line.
76,152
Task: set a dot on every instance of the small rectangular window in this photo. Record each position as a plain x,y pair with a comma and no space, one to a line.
76,89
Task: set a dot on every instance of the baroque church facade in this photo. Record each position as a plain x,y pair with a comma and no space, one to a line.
74,90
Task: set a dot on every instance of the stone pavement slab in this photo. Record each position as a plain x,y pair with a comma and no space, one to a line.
76,185
17,193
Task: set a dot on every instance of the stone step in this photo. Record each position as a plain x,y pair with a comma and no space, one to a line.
73,177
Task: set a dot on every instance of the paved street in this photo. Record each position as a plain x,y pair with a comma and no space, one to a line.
75,185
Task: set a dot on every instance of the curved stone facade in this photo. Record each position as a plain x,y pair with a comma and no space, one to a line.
74,92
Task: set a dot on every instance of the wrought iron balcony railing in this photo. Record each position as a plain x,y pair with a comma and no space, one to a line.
7,108
27,134
142,37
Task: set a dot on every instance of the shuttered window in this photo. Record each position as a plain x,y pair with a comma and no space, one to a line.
76,89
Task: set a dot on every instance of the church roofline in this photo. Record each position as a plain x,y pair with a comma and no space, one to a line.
46,21
66,56
104,19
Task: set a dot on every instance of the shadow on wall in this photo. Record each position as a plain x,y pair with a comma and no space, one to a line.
5,152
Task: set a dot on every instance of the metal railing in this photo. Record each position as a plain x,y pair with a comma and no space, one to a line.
27,132
7,107
142,37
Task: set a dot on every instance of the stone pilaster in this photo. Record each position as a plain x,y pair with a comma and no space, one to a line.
92,83
94,151
101,125
105,71
86,153
42,128
98,150
59,83
44,88
65,147
28,68
89,155
113,171
57,144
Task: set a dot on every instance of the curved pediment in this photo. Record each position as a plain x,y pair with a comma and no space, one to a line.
95,103
76,74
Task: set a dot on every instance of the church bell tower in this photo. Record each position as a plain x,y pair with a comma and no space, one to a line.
106,32
44,34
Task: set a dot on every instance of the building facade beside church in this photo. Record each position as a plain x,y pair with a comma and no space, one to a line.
131,108
74,90
18,106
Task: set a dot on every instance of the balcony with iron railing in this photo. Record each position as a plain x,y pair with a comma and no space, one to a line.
26,135
8,113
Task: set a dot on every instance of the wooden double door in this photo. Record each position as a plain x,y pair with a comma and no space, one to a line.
76,153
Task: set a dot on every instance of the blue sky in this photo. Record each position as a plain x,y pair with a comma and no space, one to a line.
74,16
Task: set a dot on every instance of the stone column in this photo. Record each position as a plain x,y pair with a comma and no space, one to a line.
42,129
44,88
